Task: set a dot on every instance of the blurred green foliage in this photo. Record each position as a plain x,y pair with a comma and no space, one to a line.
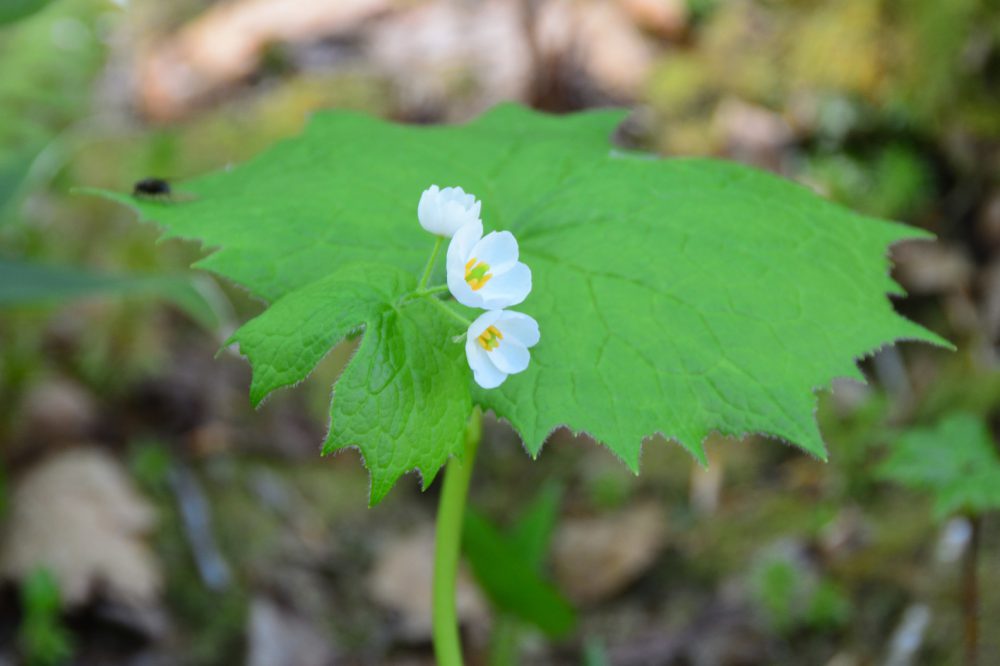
894,182
60,129
942,71
920,62
29,284
149,463
609,487
14,10
857,82
211,621
508,567
532,532
794,597
595,653
775,587
49,60
41,637
853,434
829,607
955,460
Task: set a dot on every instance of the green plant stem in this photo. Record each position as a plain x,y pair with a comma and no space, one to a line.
430,263
430,291
970,593
448,545
451,313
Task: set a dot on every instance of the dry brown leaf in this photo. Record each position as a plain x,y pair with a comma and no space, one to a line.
277,635
440,56
601,38
401,581
667,18
931,268
56,411
988,221
78,515
595,558
752,134
225,44
448,54
990,287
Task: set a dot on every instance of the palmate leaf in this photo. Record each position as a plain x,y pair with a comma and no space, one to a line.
406,383
674,296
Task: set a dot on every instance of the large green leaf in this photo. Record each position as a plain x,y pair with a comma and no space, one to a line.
674,296
956,460
405,384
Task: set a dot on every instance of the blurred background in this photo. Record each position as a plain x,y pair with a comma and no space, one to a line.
150,517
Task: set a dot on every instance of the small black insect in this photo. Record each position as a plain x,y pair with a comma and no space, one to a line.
152,188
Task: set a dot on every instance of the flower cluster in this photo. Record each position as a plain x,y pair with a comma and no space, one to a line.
483,272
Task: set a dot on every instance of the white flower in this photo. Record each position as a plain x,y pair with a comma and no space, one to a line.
497,345
443,212
484,272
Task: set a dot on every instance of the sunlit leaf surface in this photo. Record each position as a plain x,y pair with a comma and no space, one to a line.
674,296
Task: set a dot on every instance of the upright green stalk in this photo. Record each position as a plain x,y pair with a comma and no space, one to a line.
448,545
430,263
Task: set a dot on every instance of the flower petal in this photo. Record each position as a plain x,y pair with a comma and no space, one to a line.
429,209
458,254
460,247
498,249
510,356
461,197
444,212
484,372
508,288
483,322
519,326
456,216
462,292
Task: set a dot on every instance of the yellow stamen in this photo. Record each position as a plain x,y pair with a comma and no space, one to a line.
490,338
477,274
